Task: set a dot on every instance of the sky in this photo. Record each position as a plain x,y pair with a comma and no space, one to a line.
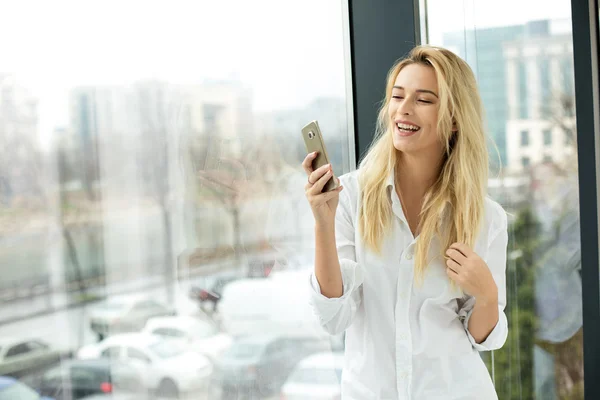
287,51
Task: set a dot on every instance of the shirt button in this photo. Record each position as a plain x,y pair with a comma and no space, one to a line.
409,256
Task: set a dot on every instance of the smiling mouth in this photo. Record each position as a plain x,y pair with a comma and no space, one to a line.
407,129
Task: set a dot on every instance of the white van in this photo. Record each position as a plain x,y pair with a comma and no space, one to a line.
277,304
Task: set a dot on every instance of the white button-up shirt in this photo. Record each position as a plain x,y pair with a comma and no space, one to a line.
404,340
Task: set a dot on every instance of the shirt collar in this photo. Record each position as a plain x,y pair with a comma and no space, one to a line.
390,184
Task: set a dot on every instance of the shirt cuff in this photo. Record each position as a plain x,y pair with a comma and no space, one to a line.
327,308
497,336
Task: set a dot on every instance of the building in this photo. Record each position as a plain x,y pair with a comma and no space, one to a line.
19,142
221,110
502,82
540,127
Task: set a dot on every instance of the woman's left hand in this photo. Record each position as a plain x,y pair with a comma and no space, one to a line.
471,273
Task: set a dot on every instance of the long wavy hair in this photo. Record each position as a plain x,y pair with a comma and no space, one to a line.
453,206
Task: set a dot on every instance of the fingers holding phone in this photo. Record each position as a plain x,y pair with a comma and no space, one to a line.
319,178
323,204
322,187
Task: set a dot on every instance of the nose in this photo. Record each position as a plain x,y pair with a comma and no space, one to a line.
405,107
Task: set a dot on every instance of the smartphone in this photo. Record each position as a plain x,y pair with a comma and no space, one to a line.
313,139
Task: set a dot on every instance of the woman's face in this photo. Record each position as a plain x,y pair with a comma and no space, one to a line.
413,110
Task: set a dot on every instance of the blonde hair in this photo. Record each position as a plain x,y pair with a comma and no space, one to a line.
453,206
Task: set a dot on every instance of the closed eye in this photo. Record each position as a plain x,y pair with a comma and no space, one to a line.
425,101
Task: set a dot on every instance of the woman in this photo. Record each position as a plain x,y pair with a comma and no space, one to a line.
411,262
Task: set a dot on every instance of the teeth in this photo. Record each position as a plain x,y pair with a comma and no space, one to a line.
408,127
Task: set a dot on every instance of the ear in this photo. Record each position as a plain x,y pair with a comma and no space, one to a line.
454,127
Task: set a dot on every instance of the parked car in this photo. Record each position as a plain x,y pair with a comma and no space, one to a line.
76,379
20,356
167,367
114,396
125,314
201,336
260,364
317,377
212,294
12,389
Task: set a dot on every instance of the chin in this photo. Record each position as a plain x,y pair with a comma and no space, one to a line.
403,146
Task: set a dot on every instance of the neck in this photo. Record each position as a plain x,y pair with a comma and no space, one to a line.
415,175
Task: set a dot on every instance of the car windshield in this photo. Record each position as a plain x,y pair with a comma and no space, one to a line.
167,348
18,392
317,376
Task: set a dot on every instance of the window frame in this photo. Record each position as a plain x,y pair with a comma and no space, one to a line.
584,16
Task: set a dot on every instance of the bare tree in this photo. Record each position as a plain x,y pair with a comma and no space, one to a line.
23,167
228,184
158,115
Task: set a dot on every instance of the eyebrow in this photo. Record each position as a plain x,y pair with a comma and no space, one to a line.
418,90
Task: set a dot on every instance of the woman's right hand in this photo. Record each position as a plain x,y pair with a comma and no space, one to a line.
323,205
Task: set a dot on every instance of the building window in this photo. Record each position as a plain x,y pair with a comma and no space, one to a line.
525,162
567,75
546,93
547,159
523,103
524,138
547,137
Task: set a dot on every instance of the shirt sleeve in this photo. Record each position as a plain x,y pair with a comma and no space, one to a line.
497,264
336,314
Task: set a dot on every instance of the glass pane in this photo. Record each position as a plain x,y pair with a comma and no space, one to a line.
522,54
151,149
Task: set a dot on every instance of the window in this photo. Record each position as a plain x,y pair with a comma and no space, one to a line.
87,377
523,95
534,53
138,355
18,350
566,66
35,345
167,349
546,98
157,154
524,138
547,137
111,352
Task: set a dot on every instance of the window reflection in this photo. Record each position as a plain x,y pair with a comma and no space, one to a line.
151,203
531,120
